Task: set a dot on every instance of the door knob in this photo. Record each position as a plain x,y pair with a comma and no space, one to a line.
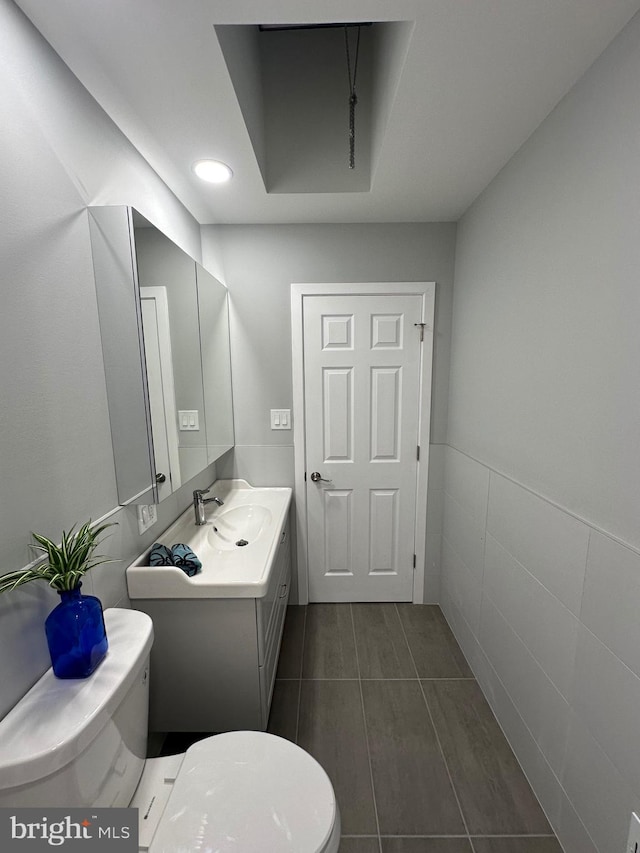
316,478
160,478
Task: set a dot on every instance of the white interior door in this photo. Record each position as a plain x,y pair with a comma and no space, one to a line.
362,385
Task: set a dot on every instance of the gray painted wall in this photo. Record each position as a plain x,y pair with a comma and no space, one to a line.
539,480
59,153
541,533
259,264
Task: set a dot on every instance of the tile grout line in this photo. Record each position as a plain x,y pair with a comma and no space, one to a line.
366,730
485,536
526,835
526,775
435,731
456,835
378,678
546,499
446,764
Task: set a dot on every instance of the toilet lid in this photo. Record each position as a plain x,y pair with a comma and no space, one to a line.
244,792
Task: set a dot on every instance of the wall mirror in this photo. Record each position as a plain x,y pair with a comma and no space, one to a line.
164,326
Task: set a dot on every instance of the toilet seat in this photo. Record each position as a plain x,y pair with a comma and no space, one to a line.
243,792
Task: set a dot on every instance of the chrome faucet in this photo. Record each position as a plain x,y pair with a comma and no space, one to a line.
199,501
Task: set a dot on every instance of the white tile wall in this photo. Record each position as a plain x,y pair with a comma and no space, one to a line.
547,628
108,581
466,637
464,588
572,831
544,711
435,510
549,542
544,781
22,615
259,464
467,482
606,697
432,568
437,454
611,597
598,792
464,535
544,607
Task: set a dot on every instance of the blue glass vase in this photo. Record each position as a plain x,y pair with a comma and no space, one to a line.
76,634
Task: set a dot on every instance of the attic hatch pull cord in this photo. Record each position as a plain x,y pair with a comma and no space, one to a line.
353,98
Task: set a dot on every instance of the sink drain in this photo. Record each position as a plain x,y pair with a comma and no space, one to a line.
241,542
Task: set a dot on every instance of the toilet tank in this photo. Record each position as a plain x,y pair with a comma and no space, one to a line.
82,742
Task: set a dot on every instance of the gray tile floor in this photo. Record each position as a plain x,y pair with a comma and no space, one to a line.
382,697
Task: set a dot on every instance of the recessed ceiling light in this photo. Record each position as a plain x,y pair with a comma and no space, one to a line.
212,171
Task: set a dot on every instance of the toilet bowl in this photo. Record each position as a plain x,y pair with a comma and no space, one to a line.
83,743
247,791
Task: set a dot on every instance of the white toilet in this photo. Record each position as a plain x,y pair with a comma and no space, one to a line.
83,743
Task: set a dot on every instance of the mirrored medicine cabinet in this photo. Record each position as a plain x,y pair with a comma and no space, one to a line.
164,325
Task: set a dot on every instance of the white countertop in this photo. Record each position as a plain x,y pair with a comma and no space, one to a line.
229,572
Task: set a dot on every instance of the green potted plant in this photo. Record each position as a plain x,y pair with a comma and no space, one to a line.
75,629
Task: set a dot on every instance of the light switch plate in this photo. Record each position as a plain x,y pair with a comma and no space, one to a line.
147,517
280,418
188,419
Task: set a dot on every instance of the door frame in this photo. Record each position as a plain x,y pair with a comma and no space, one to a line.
426,289
158,294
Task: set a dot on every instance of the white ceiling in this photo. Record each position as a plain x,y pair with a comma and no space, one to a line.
479,76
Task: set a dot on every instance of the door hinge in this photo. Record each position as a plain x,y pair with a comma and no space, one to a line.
421,326
305,476
414,561
418,453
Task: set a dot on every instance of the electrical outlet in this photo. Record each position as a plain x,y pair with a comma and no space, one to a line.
633,844
147,517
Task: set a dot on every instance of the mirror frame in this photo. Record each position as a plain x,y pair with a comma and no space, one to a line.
117,281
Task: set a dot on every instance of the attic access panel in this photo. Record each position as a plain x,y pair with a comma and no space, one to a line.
293,87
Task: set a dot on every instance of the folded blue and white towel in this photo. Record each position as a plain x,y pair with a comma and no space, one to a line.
160,556
185,559
179,555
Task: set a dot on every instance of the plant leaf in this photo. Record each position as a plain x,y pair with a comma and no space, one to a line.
65,564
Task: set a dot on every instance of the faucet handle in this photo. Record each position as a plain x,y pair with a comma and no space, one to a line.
200,492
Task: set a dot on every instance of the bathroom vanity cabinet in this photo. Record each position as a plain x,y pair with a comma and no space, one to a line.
214,661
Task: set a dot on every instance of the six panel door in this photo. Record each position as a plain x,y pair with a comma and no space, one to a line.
362,397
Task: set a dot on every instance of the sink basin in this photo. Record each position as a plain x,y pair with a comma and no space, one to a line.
239,527
252,515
